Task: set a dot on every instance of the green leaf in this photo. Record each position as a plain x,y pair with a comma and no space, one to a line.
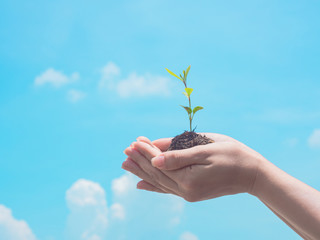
196,109
188,91
173,74
187,71
184,76
189,111
186,94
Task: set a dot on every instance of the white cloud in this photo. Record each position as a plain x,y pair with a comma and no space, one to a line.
108,73
75,95
55,78
13,229
188,236
137,204
177,207
144,85
118,211
88,211
177,204
123,185
90,218
134,85
110,70
314,139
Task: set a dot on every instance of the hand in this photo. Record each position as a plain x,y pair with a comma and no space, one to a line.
223,168
199,173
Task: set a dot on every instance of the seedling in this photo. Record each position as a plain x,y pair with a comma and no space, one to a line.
191,138
191,112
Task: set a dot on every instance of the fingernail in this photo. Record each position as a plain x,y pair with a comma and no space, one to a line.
158,161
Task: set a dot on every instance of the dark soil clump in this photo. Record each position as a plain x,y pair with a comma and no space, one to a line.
188,140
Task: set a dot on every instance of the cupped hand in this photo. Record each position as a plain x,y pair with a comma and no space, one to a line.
203,172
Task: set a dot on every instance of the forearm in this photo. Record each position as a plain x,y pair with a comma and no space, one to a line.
296,203
286,222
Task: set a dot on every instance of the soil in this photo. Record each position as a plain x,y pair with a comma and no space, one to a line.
188,140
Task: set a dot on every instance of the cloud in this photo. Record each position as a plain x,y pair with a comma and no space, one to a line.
55,78
108,73
123,185
144,85
137,204
91,219
110,70
89,213
188,236
134,85
314,139
118,211
13,229
87,203
177,207
74,95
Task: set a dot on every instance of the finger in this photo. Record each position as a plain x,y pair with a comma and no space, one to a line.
150,152
153,172
178,159
149,187
144,139
147,141
146,149
131,166
162,143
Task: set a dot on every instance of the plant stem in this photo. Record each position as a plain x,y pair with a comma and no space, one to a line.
190,118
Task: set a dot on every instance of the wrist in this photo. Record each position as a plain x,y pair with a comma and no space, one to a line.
268,176
263,168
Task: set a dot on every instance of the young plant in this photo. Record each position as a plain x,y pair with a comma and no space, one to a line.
191,112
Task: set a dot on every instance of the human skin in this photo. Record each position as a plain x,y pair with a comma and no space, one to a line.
225,167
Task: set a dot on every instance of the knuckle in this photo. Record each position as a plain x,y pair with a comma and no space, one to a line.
174,159
205,151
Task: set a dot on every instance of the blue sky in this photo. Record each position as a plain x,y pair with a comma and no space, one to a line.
79,81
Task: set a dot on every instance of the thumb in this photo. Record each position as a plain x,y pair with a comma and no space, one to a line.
177,159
